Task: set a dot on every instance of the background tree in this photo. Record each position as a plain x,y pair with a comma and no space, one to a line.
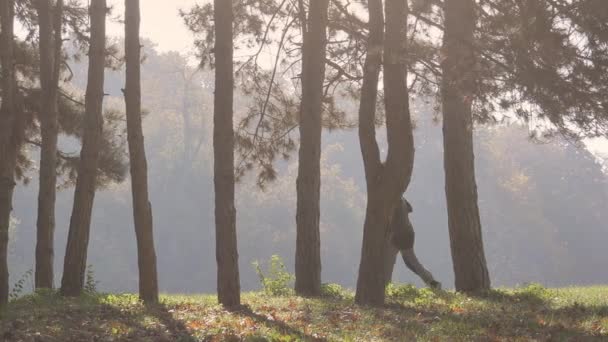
142,209
25,131
80,223
70,98
386,181
50,42
10,139
308,241
552,187
457,92
510,70
228,283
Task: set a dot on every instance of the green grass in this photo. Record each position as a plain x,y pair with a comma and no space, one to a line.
530,313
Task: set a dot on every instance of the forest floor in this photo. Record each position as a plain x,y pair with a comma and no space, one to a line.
530,313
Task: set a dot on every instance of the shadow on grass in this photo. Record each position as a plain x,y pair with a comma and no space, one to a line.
540,302
176,328
121,318
272,323
87,318
533,298
500,314
417,315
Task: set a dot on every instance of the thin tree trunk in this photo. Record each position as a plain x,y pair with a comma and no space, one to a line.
142,209
386,181
50,59
457,92
8,140
80,224
228,284
308,241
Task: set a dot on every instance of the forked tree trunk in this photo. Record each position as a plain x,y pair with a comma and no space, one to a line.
9,143
74,266
50,22
228,285
142,209
457,90
386,181
308,240
370,279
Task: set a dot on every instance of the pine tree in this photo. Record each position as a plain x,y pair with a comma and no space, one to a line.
9,138
386,181
457,93
142,209
308,240
228,283
50,41
80,223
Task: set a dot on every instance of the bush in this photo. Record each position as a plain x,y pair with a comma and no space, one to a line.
534,291
401,293
277,282
334,291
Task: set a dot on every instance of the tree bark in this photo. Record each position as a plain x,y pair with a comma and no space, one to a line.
457,91
228,285
80,223
369,279
386,181
142,209
9,143
50,61
308,240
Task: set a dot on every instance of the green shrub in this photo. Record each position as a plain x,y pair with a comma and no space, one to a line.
334,291
534,290
277,281
401,293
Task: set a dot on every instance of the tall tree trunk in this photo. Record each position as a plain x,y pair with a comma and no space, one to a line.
228,284
457,91
74,265
386,181
308,241
142,209
8,139
50,61
370,279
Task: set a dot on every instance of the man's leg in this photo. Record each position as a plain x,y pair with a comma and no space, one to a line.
411,261
389,262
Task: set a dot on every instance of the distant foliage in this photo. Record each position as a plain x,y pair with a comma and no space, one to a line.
19,286
113,164
277,281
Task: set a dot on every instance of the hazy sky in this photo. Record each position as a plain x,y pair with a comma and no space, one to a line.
160,22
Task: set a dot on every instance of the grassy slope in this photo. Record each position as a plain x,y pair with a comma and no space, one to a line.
530,313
